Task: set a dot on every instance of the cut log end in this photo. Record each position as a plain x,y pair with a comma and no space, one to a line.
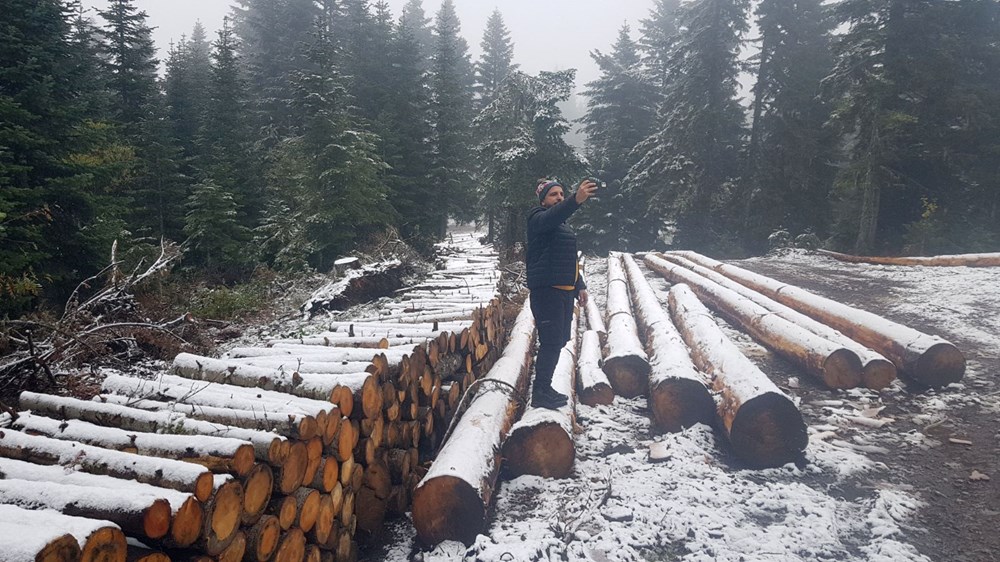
156,519
62,549
878,374
226,514
262,539
842,369
679,403
597,395
106,544
543,450
628,374
768,431
292,547
187,523
204,486
447,508
257,488
941,365
236,550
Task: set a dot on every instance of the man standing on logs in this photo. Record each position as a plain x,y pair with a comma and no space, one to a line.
554,280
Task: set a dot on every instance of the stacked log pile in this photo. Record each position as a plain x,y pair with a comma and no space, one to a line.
953,260
294,450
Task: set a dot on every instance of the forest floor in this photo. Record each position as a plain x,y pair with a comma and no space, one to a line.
925,486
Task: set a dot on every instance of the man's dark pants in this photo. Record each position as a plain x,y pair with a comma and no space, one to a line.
553,311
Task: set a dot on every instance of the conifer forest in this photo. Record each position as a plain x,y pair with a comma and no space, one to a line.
303,127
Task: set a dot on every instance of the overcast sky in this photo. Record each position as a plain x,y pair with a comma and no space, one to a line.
547,34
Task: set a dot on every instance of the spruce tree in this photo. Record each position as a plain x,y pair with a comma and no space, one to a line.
131,64
452,111
658,36
189,69
790,154
216,239
414,19
621,113
497,61
687,167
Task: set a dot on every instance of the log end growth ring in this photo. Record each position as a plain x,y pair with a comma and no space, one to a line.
543,450
768,431
62,549
447,508
679,403
156,519
842,369
941,365
878,374
628,375
106,544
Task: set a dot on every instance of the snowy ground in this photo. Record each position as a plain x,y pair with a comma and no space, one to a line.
884,479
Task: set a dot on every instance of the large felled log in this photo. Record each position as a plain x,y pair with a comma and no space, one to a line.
927,360
954,260
218,454
137,514
99,541
258,486
187,513
267,446
20,542
222,518
762,424
834,365
593,384
306,385
314,353
541,442
678,397
301,365
451,500
262,539
626,362
166,473
876,371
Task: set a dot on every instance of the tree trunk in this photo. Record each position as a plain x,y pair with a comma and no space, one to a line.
626,363
762,424
927,360
593,384
966,260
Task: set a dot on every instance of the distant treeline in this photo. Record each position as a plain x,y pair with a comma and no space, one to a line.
305,126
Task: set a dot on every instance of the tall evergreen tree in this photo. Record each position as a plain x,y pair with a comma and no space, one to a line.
131,63
521,139
452,110
415,20
688,166
497,61
216,238
790,154
658,36
189,70
621,113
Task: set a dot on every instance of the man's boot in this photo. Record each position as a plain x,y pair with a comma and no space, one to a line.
545,397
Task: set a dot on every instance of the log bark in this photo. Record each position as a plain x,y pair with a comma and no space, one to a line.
451,502
541,442
626,363
927,360
877,372
140,515
762,424
165,473
678,397
267,446
955,260
593,386
830,363
219,454
307,385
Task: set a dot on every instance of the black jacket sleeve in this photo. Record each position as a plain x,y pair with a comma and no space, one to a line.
543,221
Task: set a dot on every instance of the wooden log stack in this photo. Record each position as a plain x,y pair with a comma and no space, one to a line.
249,458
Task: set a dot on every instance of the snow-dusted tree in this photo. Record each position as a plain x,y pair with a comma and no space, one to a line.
790,154
189,71
686,169
131,63
520,139
621,112
452,111
497,61
215,236
658,36
415,20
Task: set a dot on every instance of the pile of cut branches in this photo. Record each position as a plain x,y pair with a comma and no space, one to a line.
96,327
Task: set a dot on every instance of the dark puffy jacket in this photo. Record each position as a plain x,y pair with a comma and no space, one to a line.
551,254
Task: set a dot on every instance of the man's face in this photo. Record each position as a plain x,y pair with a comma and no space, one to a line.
553,197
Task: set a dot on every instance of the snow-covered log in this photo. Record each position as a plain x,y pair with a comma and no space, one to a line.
137,514
592,383
268,447
678,397
626,362
828,362
595,321
166,473
928,360
541,442
303,365
450,502
28,535
186,511
313,353
423,317
366,342
876,371
219,454
762,424
953,260
389,328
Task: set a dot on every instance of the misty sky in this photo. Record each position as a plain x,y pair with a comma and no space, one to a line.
547,34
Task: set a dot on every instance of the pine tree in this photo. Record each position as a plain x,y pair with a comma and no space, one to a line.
418,24
621,113
216,238
789,157
520,140
452,110
658,36
497,61
688,166
131,63
189,69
